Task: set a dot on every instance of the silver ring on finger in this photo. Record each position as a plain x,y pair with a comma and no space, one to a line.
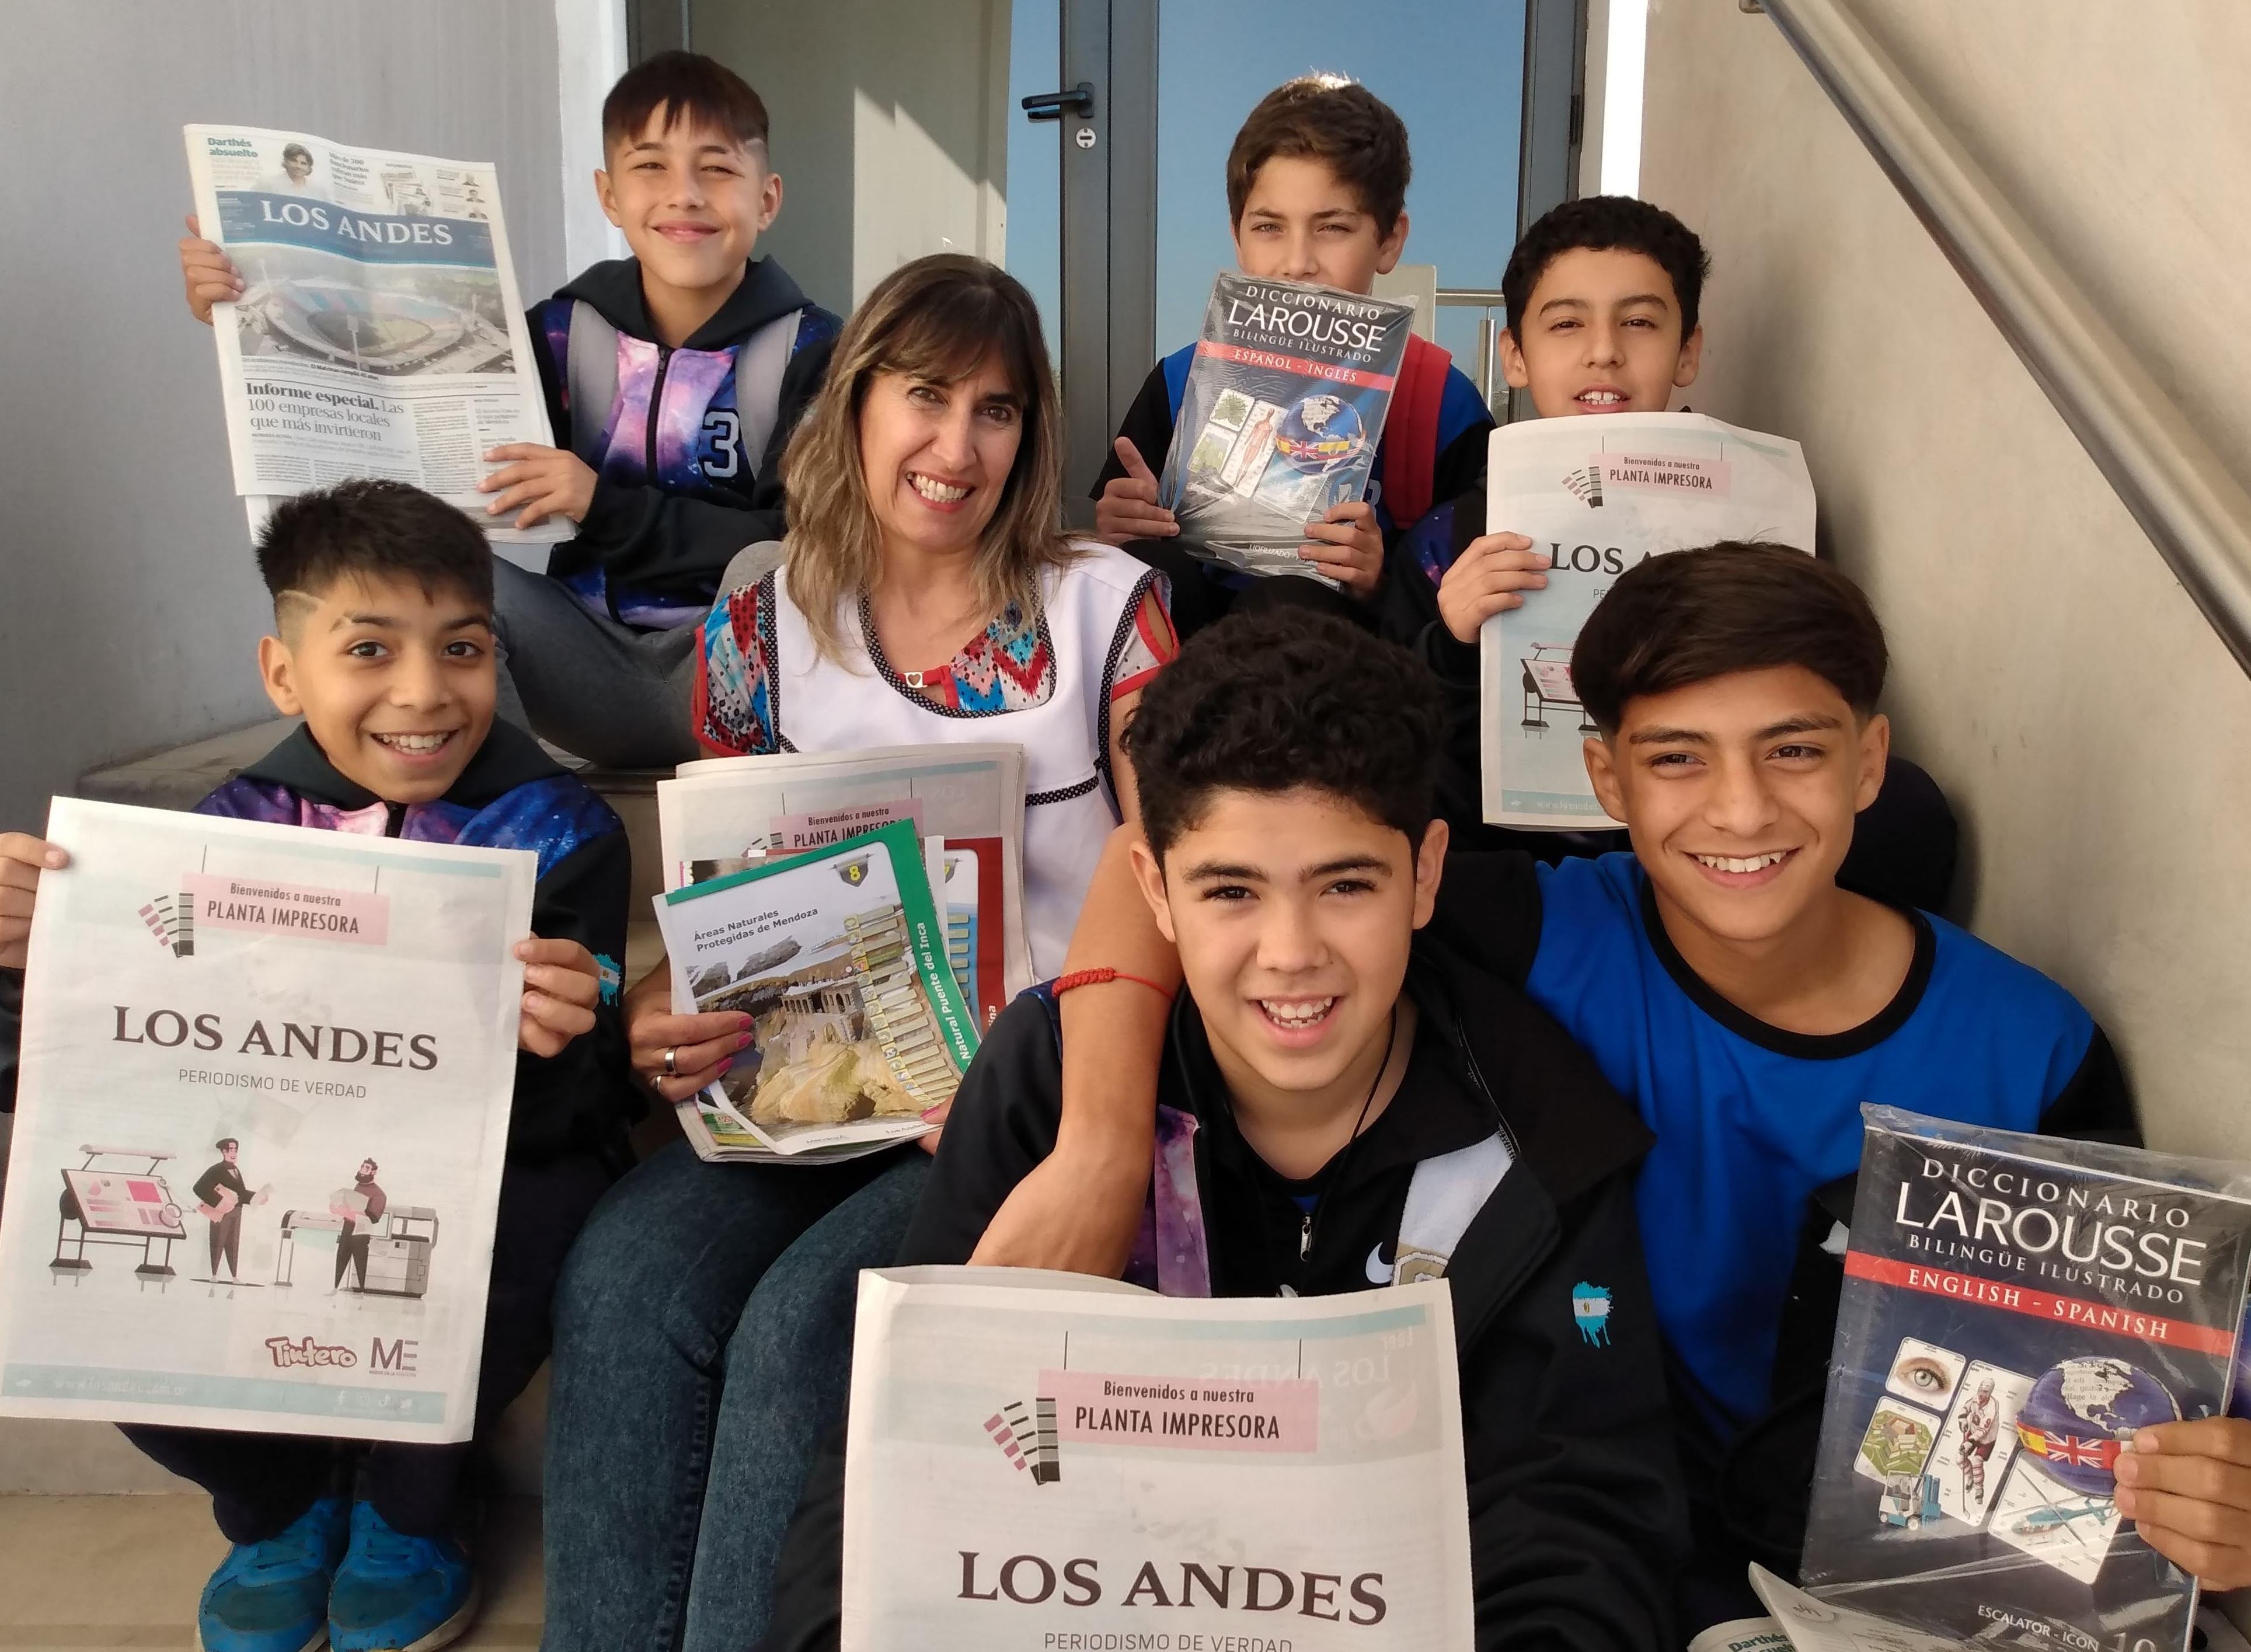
672,1061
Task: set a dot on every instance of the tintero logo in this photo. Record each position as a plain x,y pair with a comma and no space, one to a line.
1026,1436
171,919
1587,484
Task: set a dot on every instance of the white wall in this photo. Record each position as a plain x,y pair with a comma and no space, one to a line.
2094,733
890,129
129,606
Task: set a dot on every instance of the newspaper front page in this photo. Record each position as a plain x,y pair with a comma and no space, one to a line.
380,331
264,1104
1040,1461
1598,496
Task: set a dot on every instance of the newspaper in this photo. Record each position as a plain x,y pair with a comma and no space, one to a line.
271,1070
380,331
840,956
1049,1460
720,814
1598,495
1280,419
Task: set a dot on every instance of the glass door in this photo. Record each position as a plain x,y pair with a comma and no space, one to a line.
903,129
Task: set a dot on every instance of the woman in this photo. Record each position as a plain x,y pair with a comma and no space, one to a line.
925,595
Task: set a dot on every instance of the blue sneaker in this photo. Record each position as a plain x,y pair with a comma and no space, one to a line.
273,1596
397,1594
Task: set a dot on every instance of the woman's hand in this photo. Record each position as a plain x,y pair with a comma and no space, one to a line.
677,1055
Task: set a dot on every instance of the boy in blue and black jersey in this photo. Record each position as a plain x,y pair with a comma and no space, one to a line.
1317,191
673,380
382,642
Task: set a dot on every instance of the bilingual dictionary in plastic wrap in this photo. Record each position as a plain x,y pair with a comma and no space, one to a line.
1280,417
2015,1308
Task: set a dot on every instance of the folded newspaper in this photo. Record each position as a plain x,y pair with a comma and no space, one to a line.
858,1028
1598,496
380,331
2016,1309
721,814
1049,1460
266,1076
1280,419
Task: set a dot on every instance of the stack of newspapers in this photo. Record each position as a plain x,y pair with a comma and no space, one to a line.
866,908
380,331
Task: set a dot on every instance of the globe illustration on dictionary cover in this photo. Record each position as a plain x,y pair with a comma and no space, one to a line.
1321,434
2079,1414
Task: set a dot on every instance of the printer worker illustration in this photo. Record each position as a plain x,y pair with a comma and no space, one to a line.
360,1208
220,1196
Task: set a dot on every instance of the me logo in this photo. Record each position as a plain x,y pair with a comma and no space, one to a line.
1590,1312
171,919
854,871
1026,1438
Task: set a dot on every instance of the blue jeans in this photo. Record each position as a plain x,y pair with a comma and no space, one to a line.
702,1348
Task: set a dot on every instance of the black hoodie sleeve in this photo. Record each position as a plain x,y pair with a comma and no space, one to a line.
1148,424
584,1096
1578,1521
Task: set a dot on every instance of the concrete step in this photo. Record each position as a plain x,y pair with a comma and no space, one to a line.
125,1572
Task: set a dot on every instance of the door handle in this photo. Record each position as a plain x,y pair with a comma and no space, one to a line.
1050,105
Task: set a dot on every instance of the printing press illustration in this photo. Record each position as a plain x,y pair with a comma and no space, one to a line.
1548,682
382,1248
112,1207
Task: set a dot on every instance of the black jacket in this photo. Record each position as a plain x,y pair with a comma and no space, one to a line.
511,796
663,527
1577,1519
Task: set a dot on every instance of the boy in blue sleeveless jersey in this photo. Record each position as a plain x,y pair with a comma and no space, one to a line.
383,643
1317,190
1329,1056
673,380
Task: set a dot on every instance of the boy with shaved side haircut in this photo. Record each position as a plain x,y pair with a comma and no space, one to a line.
383,643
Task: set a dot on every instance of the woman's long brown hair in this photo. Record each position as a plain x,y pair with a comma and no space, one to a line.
939,318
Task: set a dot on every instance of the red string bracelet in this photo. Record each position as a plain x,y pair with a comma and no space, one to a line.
1100,974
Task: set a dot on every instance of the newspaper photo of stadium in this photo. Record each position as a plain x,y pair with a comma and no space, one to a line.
390,320
843,1029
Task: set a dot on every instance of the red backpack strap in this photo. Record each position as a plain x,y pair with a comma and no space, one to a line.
1410,431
